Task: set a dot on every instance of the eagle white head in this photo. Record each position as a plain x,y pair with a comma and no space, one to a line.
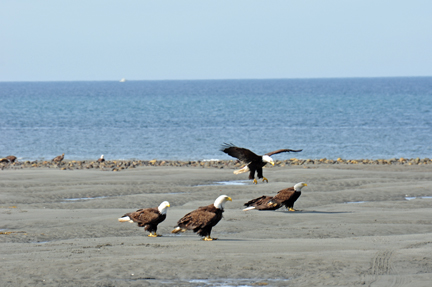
299,186
163,207
220,201
266,158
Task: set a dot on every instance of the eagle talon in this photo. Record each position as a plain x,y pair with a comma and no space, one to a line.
265,179
208,238
255,181
291,209
154,235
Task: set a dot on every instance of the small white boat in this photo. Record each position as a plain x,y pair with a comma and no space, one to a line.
123,80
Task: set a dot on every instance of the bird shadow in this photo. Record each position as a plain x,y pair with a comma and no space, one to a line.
226,239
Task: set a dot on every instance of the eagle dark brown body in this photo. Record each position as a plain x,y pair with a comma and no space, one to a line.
285,197
254,163
148,218
201,220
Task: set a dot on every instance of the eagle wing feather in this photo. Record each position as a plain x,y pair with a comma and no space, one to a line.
144,216
258,201
284,194
283,150
199,218
242,154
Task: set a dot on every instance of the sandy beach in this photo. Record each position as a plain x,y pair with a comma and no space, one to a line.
359,225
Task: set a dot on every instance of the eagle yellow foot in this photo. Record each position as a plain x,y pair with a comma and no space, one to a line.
292,209
265,179
255,181
208,238
154,235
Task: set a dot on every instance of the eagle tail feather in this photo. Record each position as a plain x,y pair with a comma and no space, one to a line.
244,169
249,208
125,219
178,229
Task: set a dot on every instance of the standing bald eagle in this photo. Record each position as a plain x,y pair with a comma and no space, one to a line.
58,158
254,163
148,218
203,219
11,158
285,197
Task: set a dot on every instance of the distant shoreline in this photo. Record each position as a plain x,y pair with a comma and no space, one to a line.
117,165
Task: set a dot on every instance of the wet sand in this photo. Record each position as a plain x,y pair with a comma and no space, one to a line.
359,225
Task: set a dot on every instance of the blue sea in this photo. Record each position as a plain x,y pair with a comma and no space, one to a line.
353,118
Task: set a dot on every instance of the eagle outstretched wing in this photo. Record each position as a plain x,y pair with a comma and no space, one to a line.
258,201
283,150
264,203
242,154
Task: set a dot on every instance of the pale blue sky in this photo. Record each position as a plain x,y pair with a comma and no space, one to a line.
55,40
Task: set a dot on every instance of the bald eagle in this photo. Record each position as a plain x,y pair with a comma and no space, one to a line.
58,158
254,163
148,218
285,197
9,158
101,159
203,219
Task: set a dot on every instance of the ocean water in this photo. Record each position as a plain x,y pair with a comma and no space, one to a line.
189,120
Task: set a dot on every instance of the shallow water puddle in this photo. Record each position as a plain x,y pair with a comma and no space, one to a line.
236,282
420,197
229,182
217,282
84,198
355,202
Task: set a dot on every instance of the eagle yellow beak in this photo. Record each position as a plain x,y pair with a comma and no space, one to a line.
272,163
169,205
229,198
304,184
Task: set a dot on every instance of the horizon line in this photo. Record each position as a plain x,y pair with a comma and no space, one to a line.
220,79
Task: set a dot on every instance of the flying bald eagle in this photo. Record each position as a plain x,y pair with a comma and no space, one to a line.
203,219
148,218
285,197
58,158
254,163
